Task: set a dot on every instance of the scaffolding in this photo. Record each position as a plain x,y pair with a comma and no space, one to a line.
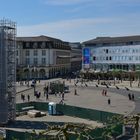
7,70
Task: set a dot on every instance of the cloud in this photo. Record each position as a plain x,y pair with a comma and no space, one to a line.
84,28
66,2
98,2
64,29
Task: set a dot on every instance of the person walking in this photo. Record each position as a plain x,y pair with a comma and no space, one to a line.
28,97
23,98
47,96
103,92
133,97
109,101
129,96
75,92
63,96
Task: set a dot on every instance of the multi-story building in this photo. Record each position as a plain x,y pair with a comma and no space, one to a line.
76,57
42,57
108,53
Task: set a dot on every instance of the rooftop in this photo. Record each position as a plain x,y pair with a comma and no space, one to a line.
106,40
38,38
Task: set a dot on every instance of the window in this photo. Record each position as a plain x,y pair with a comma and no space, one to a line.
35,52
17,61
133,51
106,50
94,58
130,58
17,52
126,58
27,61
27,53
110,58
106,58
136,58
43,52
43,61
35,61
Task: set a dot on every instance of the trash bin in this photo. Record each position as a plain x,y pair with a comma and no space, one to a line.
52,108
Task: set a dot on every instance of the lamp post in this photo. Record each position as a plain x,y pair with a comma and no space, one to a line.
34,82
28,75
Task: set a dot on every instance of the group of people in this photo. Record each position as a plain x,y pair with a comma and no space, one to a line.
23,97
37,94
104,92
131,96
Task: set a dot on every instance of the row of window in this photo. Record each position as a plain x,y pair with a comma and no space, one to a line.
107,51
35,61
116,58
114,44
35,52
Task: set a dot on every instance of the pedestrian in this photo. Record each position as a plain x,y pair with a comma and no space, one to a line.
103,92
44,91
61,102
75,92
28,97
75,85
55,93
39,94
129,96
47,96
23,98
86,85
133,97
109,101
63,96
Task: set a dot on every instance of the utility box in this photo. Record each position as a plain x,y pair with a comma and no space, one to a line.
52,108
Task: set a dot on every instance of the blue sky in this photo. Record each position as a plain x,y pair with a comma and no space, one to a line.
73,20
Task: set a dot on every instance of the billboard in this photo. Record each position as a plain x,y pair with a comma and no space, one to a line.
86,57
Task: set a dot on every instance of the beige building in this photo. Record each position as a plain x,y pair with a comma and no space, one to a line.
42,57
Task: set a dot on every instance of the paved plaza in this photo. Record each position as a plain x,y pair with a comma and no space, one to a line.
89,97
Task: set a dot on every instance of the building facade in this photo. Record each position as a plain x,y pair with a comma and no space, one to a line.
76,57
42,57
108,53
7,70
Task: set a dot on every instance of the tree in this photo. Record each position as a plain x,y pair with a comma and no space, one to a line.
64,132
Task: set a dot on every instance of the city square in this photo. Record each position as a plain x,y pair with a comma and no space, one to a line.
70,70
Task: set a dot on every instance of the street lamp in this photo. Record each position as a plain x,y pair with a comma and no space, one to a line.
34,82
28,75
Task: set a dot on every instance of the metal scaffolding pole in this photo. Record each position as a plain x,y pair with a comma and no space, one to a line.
7,70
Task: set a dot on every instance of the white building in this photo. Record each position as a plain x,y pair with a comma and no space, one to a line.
42,57
108,53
